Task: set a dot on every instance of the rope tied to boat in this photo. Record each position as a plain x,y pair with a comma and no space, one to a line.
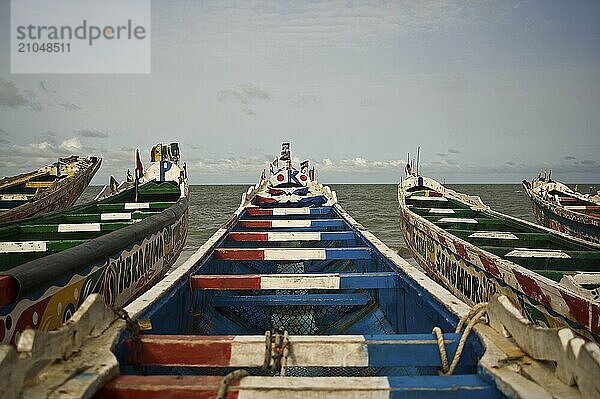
229,379
134,333
473,317
276,351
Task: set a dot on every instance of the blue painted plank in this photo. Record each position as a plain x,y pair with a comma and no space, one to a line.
368,280
355,299
338,235
411,350
447,387
348,253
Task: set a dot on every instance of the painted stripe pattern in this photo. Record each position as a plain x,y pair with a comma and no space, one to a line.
292,236
256,211
332,281
309,350
292,254
293,223
205,387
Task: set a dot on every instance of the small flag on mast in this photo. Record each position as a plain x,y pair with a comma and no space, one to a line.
139,168
285,152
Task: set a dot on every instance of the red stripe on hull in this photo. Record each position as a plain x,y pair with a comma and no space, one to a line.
165,387
249,236
178,350
240,254
255,223
579,310
260,212
531,288
462,252
226,282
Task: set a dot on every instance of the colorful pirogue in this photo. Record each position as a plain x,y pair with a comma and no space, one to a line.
475,252
50,188
118,246
556,206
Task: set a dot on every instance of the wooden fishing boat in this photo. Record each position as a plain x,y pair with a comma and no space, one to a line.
118,246
475,252
50,188
293,301
556,206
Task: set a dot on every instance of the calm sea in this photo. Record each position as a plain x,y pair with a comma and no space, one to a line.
374,206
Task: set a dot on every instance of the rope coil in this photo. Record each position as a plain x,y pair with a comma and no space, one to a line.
473,317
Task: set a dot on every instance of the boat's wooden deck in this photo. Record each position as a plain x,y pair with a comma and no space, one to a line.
531,247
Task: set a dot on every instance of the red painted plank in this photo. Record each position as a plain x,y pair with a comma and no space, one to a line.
165,387
249,236
255,223
226,282
259,211
240,254
185,350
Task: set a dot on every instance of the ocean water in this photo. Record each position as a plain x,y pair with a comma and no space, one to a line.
375,206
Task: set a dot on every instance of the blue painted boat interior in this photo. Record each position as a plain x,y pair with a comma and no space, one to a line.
396,307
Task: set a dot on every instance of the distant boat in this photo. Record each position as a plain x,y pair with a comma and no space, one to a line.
50,188
118,246
556,206
475,252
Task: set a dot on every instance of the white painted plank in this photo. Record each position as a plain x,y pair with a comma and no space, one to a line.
291,236
441,210
291,211
291,223
76,227
294,254
294,281
458,220
116,216
15,197
498,235
421,198
136,205
537,253
23,246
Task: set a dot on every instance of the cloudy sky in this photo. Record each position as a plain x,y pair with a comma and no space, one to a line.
492,91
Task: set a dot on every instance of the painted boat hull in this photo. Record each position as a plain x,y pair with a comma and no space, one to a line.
563,220
60,196
120,265
475,275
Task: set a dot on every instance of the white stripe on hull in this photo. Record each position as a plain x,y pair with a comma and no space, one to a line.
76,227
421,198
